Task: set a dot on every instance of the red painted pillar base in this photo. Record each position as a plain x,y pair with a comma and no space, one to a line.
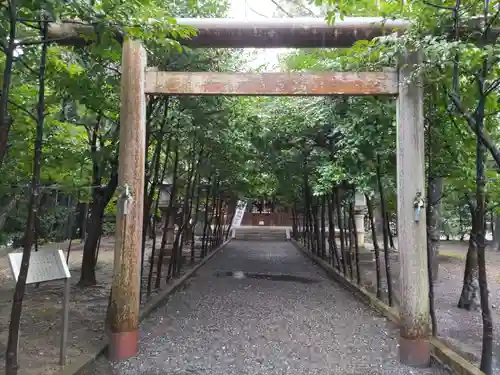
123,345
415,353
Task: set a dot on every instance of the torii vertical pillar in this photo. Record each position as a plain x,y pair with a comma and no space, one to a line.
414,306
123,311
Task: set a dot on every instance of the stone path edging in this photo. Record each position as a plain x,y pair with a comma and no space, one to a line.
440,351
78,365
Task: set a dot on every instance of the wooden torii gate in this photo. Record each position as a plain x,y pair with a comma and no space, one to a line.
138,81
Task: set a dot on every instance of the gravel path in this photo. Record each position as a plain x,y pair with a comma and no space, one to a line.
295,321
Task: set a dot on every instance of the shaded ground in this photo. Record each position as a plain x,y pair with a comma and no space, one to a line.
263,308
460,329
41,320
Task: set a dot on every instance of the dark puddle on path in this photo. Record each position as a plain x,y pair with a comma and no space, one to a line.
266,276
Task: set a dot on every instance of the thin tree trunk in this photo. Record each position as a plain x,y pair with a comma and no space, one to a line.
186,207
5,120
356,246
84,212
295,219
101,198
487,347
341,231
204,238
332,242
385,233
369,206
470,288
233,205
171,206
195,222
155,210
435,188
6,209
149,193
11,363
317,235
323,229
432,223
349,234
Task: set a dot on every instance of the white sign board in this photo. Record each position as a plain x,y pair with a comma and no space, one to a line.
240,211
45,265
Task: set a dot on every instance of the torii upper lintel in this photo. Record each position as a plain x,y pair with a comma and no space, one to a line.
304,32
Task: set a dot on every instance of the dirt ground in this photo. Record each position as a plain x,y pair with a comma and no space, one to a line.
41,321
460,329
42,308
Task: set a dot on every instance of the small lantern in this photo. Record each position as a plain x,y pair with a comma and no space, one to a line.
359,201
205,185
165,192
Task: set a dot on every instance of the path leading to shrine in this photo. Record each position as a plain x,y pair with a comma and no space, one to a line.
263,308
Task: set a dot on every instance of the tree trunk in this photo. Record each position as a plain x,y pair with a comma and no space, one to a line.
340,224
315,218
84,213
487,345
377,219
348,234
155,210
100,199
310,219
233,206
369,206
322,227
469,298
5,120
295,224
88,277
6,208
331,233
195,221
11,361
355,237
435,192
385,230
204,239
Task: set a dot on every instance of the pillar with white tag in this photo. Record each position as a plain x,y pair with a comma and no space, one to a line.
414,348
123,309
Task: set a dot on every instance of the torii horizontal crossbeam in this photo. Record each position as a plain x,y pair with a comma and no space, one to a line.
271,84
269,33
306,32
303,32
